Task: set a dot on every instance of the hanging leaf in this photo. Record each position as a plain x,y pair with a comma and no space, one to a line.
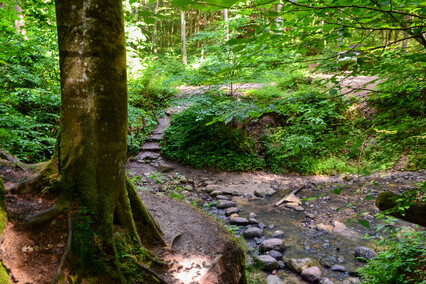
364,223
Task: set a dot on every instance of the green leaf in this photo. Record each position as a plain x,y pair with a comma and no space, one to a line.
333,92
364,223
360,61
369,197
338,190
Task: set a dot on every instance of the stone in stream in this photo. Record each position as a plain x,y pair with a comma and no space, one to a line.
299,209
223,197
215,193
338,268
311,274
260,194
273,279
326,281
275,254
278,234
211,187
272,244
252,215
266,262
223,204
351,280
232,210
364,252
239,221
253,221
252,233
298,265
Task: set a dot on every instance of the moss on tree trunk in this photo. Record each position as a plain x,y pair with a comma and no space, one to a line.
91,149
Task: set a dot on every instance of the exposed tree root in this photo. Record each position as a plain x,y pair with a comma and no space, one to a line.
67,248
149,271
44,216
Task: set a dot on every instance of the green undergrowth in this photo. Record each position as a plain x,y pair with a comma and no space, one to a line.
298,125
401,258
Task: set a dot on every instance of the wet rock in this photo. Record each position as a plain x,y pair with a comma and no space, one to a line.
299,209
275,254
252,215
215,193
252,233
235,193
338,268
162,187
281,264
351,280
326,262
311,274
364,252
278,234
211,187
262,226
260,194
298,265
273,279
310,215
239,221
340,259
326,281
223,204
232,210
223,197
272,244
266,262
247,196
253,221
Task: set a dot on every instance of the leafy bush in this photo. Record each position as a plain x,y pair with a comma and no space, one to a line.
189,140
403,259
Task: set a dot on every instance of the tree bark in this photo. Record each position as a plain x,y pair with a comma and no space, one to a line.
183,36
91,150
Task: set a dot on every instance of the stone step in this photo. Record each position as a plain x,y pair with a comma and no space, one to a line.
155,138
148,156
151,146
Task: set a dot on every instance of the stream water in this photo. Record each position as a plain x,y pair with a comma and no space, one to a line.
327,230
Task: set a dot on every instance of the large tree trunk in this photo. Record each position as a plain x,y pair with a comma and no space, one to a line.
91,150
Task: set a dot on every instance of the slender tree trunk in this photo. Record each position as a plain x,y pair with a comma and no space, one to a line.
183,36
405,35
91,150
154,31
225,19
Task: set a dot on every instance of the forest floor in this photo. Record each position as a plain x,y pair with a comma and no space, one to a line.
196,242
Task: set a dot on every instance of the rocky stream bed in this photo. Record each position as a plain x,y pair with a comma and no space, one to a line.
315,235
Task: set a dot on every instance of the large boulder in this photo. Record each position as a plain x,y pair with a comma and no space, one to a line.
415,213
